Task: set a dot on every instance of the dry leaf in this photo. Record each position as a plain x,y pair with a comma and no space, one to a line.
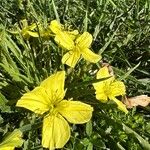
141,100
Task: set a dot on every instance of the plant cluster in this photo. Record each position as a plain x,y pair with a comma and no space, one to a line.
57,87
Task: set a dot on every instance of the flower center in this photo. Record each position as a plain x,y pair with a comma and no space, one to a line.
53,110
107,89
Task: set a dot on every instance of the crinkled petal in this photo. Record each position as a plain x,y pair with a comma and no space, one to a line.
75,111
54,86
71,58
100,92
55,26
117,88
55,132
84,40
37,101
13,140
90,56
121,106
65,40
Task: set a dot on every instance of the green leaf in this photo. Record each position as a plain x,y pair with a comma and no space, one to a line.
148,127
1,120
3,102
120,146
142,141
108,42
129,72
90,146
89,128
89,82
85,141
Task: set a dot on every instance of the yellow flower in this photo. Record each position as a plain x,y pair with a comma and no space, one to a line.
12,141
27,30
48,98
77,45
109,89
34,30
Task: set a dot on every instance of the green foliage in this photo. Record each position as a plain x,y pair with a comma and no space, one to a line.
121,34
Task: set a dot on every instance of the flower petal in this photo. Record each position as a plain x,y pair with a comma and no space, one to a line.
121,106
7,148
55,132
32,26
55,26
54,86
103,73
33,34
36,101
71,58
13,140
73,34
64,40
90,56
84,41
100,92
75,111
27,29
117,88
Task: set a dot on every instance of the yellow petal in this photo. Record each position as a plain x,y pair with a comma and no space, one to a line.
37,101
33,34
121,106
7,148
55,132
32,26
71,58
64,40
84,41
90,56
100,92
73,34
24,33
54,86
13,140
75,111
55,26
23,23
103,73
117,88
28,28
